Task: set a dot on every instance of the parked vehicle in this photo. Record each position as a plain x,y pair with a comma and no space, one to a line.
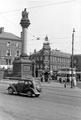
28,86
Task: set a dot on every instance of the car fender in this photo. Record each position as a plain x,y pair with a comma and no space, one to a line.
12,86
30,89
34,91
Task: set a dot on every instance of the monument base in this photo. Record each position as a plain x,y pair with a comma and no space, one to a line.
22,66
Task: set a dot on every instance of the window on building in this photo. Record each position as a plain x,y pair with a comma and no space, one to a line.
37,58
41,58
41,66
46,58
8,43
17,45
51,67
55,59
65,59
55,67
51,58
38,66
75,61
8,61
17,52
68,60
8,53
60,59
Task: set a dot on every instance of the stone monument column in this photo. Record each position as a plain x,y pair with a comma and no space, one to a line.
25,24
24,41
22,66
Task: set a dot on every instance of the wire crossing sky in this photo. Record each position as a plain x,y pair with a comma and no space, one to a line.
54,18
5,12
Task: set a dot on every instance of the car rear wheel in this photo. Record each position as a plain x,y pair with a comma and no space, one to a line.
10,91
29,93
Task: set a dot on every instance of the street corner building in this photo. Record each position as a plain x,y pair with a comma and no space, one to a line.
10,47
48,59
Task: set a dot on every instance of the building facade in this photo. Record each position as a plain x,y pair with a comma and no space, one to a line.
53,60
10,47
77,62
59,60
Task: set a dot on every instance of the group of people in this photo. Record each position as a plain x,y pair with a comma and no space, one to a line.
73,82
45,76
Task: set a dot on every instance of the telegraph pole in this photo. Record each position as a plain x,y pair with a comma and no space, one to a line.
72,56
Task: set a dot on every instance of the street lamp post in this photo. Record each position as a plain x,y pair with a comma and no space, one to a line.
72,56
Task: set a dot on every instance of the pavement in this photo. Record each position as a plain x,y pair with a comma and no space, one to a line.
59,85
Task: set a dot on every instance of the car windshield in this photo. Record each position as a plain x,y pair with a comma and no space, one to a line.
20,81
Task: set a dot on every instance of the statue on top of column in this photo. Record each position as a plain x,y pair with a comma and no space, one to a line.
25,22
25,15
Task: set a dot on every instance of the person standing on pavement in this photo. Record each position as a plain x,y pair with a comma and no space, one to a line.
74,81
36,72
65,83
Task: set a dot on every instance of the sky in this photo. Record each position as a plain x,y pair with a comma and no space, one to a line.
54,18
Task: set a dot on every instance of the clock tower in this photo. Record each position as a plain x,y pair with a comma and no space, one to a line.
46,54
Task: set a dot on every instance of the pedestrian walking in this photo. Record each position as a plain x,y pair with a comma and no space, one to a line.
65,83
43,77
74,81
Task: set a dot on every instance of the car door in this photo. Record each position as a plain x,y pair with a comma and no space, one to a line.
20,86
26,86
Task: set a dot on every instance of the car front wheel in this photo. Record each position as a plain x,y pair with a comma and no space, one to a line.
29,93
10,91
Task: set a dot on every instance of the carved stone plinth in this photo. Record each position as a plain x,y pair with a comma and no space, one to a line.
22,66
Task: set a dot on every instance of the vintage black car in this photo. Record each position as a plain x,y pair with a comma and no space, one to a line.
28,86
